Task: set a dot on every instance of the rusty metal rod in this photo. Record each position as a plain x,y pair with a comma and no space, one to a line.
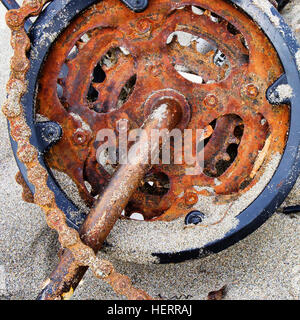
113,201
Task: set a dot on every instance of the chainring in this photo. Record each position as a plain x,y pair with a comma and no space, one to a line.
101,70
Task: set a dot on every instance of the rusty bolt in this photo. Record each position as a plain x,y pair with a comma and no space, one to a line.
252,91
191,198
80,137
143,26
210,100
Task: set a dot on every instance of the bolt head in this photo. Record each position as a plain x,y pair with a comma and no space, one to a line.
191,198
252,91
143,26
80,137
210,100
194,217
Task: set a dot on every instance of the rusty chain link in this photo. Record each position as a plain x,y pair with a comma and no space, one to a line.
37,175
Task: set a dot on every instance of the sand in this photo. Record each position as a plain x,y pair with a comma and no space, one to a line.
265,265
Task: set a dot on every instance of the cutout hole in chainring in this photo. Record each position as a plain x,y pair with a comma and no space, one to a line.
102,87
155,184
200,60
191,47
222,144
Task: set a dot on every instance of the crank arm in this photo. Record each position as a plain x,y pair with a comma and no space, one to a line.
113,201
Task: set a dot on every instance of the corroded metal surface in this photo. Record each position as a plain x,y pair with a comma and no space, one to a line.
69,238
110,205
128,177
106,68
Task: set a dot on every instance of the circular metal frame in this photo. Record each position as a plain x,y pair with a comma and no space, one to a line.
258,211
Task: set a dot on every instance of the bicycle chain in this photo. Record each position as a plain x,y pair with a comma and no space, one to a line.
37,175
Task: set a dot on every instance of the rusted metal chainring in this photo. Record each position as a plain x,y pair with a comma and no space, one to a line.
109,60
